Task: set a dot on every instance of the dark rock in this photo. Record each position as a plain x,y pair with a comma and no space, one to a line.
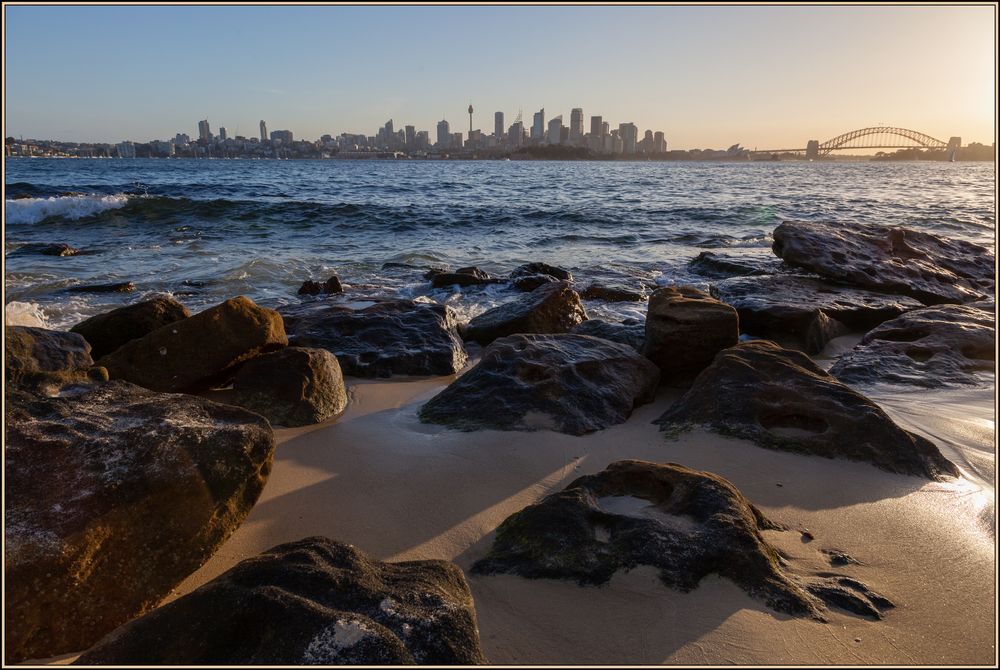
550,308
199,351
568,383
123,287
529,283
390,337
529,269
686,523
330,286
333,285
294,386
929,268
314,601
115,494
108,331
470,276
851,595
631,331
58,249
711,264
685,328
433,272
803,312
43,360
780,399
310,287
611,294
930,347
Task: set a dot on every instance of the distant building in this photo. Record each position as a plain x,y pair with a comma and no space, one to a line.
409,136
498,126
263,131
629,134
659,143
538,126
182,139
423,141
576,126
555,130
443,134
222,133
125,150
204,132
515,134
456,140
597,126
283,136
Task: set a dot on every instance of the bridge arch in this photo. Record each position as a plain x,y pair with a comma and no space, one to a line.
850,140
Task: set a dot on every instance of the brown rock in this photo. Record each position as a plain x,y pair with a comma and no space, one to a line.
295,386
685,328
550,308
108,331
44,360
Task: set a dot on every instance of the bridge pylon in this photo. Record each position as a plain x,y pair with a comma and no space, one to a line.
954,144
812,149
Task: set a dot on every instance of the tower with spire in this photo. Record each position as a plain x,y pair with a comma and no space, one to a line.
470,117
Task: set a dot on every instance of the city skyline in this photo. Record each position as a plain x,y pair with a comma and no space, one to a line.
706,76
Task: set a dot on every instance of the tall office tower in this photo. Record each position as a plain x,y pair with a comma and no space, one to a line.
597,126
410,137
605,129
538,126
423,140
456,140
388,134
263,131
629,134
498,126
659,143
470,117
204,132
222,133
555,130
515,134
444,135
576,126
647,142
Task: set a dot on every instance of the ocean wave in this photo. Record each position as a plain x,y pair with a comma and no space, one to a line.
72,207
24,314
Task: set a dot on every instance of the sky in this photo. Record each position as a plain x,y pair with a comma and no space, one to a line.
709,76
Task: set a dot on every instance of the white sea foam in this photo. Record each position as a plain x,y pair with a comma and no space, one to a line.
24,314
33,210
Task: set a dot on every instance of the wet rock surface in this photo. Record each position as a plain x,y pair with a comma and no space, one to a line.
330,286
108,331
780,399
722,266
630,331
930,347
929,268
529,269
314,601
550,308
295,386
685,328
469,276
611,293
114,494
568,383
686,523
805,312
529,283
385,338
53,249
199,351
121,287
44,360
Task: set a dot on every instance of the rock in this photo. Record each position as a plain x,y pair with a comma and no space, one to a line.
314,601
389,337
294,386
780,399
529,283
929,268
529,269
470,276
930,347
686,523
330,286
803,312
685,328
711,264
55,249
199,351
568,383
630,331
108,331
114,495
611,294
42,359
123,287
550,308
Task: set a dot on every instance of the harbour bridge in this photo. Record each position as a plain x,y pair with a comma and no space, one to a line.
877,137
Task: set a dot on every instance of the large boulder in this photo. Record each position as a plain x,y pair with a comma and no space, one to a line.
780,399
199,351
568,383
44,359
108,331
630,331
115,494
685,328
687,524
553,307
805,312
929,268
295,386
930,347
309,602
383,338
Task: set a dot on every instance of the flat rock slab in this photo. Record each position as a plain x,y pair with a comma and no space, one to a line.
108,331
686,523
685,328
199,351
930,347
611,293
796,311
553,307
382,338
721,266
631,331
568,383
115,494
309,602
780,399
929,268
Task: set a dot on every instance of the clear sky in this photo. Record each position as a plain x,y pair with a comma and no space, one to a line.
707,76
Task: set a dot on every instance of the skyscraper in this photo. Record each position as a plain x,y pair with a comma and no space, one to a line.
515,134
263,131
597,126
555,130
629,134
411,136
443,135
538,126
204,132
222,133
576,126
498,126
659,143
